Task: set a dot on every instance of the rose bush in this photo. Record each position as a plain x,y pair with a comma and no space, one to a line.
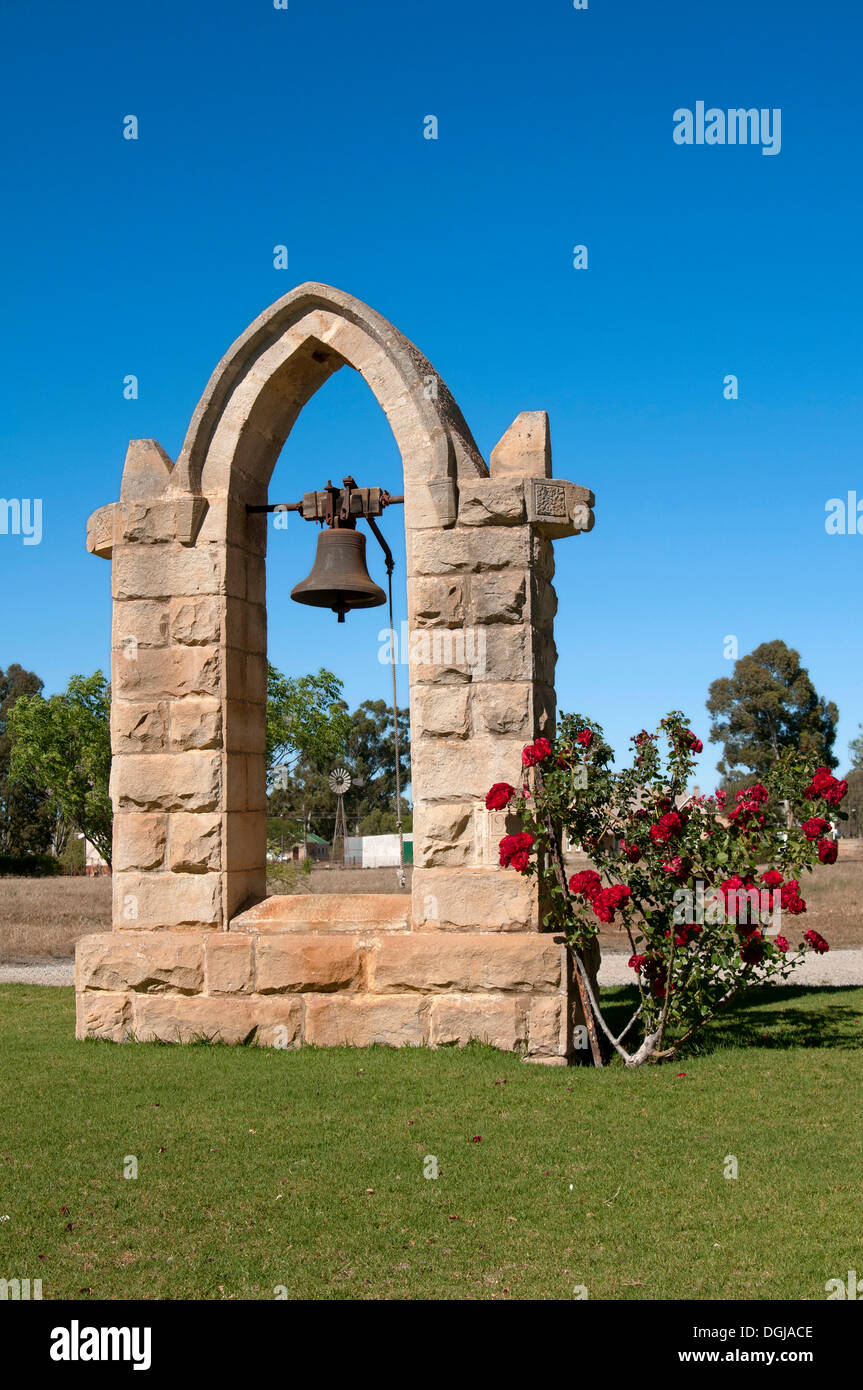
682,875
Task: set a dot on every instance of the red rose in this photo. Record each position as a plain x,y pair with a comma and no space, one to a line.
666,826
772,879
585,884
827,851
753,949
630,852
790,898
814,828
536,752
836,792
825,786
822,778
816,941
514,851
608,900
781,944
677,868
499,796
691,742
585,738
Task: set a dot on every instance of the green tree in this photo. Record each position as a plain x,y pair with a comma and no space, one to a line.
25,816
307,719
855,748
769,704
372,757
61,748
368,752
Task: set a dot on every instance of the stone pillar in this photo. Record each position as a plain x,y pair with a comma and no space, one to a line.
167,683
481,611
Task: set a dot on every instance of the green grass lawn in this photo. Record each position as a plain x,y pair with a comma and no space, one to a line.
260,1168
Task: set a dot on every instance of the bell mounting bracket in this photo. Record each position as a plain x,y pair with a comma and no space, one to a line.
339,508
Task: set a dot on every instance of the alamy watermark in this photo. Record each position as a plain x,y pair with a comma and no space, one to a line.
462,648
22,516
738,126
734,908
844,516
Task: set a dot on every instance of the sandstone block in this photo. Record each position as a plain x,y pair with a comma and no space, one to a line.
443,835
468,962
166,900
106,1016
229,961
167,781
160,520
246,626
558,508
146,471
525,450
279,1021
430,503
441,711
137,727
546,1028
501,1022
195,723
178,1018
168,673
245,840
196,841
490,503
100,530
297,962
503,708
505,649
436,602
474,900
466,550
498,597
139,841
444,655
163,571
195,621
245,726
459,771
361,1020
148,961
139,623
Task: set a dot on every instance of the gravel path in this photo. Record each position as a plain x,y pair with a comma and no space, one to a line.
836,968
43,972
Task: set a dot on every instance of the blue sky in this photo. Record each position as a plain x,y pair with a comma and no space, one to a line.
305,127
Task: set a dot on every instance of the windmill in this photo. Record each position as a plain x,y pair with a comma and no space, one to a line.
340,783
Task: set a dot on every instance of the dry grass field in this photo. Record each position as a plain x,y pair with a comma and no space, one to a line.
43,917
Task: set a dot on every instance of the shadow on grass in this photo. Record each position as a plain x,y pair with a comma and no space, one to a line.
766,1017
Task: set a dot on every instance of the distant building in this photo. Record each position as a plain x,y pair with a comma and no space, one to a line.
377,851
94,865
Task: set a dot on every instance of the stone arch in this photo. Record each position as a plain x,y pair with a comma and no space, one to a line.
236,435
189,654
262,383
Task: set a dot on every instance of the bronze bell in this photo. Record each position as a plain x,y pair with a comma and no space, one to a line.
339,579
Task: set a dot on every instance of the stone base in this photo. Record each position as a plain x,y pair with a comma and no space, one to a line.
329,970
